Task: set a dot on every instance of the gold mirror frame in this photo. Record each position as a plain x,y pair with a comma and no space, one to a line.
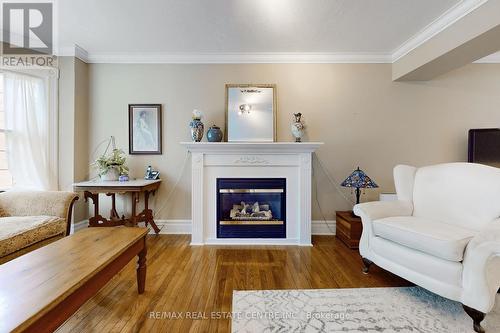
275,106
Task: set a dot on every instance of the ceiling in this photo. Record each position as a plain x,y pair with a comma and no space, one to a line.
225,26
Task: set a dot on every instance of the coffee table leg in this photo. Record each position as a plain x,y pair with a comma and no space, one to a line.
141,269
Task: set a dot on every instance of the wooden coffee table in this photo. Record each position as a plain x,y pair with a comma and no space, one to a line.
41,289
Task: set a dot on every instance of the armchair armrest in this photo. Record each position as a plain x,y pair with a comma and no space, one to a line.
379,209
481,271
374,210
37,203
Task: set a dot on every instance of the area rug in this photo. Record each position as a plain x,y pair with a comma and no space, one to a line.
408,309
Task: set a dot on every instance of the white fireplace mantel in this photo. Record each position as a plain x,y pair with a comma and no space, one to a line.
290,160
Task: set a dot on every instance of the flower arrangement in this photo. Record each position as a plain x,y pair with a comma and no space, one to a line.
114,161
197,114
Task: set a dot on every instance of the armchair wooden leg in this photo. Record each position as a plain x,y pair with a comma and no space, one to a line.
366,265
477,318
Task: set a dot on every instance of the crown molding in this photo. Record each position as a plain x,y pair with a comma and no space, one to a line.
441,23
81,53
74,51
239,58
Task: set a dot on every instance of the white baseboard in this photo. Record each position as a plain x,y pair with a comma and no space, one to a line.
320,227
182,227
167,227
174,227
79,226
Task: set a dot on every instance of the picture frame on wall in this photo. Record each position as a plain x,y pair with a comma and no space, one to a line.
145,129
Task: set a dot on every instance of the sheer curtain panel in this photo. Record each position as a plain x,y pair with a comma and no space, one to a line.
28,128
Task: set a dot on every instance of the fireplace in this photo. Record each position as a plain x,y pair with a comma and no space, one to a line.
251,208
214,162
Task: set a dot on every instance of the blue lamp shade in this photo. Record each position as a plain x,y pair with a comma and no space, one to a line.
358,179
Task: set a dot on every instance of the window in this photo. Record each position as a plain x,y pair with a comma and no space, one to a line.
5,176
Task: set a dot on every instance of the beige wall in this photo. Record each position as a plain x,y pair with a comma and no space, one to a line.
81,143
363,117
73,127
66,120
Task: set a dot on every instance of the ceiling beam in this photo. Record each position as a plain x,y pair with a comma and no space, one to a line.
474,36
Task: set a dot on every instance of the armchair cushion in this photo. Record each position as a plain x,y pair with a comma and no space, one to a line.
20,232
439,239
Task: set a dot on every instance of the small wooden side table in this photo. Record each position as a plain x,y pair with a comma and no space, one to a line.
349,228
92,189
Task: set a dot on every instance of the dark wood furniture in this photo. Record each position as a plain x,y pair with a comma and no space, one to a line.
92,189
348,228
45,287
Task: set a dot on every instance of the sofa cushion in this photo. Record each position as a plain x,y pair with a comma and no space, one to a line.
19,232
439,239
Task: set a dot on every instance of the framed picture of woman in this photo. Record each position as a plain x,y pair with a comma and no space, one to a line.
145,130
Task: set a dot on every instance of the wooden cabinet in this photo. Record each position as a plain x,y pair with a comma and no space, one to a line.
348,228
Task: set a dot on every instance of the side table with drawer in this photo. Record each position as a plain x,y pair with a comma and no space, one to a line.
349,228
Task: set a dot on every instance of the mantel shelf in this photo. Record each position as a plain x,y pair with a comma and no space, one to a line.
252,147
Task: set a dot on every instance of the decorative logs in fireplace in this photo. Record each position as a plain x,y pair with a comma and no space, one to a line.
251,207
255,211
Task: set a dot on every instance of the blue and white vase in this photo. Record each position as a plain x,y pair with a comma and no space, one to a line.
197,129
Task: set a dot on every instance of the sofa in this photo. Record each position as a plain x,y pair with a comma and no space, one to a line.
32,219
443,232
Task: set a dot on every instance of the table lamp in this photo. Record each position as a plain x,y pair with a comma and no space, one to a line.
358,179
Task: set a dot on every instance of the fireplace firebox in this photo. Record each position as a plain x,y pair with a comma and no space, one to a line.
251,208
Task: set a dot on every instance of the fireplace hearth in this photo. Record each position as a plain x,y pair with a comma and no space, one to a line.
251,208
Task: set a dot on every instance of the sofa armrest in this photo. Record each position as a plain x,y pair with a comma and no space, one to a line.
379,209
481,269
37,203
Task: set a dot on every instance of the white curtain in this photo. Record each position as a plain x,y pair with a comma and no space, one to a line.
27,122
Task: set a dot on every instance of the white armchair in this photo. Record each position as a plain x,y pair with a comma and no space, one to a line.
442,234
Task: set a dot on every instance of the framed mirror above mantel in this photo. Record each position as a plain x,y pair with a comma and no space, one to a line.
250,113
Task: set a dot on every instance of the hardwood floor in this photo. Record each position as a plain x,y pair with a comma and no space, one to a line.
199,281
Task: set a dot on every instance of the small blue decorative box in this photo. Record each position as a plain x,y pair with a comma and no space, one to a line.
123,178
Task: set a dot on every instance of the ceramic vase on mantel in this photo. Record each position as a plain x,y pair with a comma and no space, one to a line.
298,127
214,134
197,127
